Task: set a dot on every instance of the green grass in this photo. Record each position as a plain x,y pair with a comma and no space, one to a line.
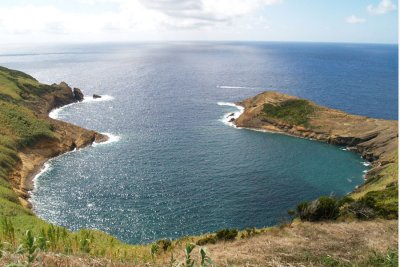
293,111
12,82
376,259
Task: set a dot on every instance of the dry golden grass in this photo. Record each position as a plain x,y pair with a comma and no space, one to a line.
306,244
301,244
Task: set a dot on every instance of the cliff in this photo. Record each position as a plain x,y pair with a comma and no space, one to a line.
29,133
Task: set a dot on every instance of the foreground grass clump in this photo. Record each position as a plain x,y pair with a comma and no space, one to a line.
46,238
293,111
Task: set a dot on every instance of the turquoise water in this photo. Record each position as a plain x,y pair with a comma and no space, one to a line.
177,169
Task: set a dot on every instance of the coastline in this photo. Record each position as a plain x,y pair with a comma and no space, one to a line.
68,138
225,119
377,146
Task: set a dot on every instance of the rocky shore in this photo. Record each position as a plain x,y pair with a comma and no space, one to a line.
376,140
67,137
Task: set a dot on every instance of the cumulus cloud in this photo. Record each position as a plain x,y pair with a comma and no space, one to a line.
353,19
383,7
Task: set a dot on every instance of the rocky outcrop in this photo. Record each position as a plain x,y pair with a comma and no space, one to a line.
375,139
78,95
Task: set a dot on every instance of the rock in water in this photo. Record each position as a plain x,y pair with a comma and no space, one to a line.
78,95
96,96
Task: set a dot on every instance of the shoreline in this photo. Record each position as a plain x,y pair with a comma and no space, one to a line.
241,110
376,152
68,138
45,164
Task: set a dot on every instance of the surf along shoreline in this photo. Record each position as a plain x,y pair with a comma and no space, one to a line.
67,138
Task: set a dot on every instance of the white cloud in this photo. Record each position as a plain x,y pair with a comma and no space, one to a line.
129,16
353,19
383,7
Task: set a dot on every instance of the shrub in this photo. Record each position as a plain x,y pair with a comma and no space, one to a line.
324,208
374,204
164,244
210,239
227,234
221,235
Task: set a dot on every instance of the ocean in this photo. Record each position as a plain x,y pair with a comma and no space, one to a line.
174,166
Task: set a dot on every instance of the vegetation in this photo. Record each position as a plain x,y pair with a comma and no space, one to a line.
221,235
293,111
324,208
376,259
374,204
27,240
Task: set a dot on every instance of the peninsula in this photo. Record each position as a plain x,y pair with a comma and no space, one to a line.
376,140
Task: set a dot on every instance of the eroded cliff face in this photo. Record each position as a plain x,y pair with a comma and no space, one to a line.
67,137
375,139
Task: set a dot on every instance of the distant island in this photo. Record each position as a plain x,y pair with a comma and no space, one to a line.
28,138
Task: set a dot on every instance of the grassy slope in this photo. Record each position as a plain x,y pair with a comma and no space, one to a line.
20,127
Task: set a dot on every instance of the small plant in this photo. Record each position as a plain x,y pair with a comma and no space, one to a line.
42,240
8,230
154,250
29,245
205,260
85,241
189,248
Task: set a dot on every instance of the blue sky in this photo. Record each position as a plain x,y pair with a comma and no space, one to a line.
361,21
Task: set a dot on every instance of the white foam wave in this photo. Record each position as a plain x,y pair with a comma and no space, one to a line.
46,167
54,114
366,163
227,118
233,87
112,138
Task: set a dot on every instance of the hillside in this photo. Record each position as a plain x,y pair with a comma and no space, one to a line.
28,137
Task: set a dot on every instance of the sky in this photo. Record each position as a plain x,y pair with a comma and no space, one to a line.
44,21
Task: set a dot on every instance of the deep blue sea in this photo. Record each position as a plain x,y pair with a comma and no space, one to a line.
174,168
